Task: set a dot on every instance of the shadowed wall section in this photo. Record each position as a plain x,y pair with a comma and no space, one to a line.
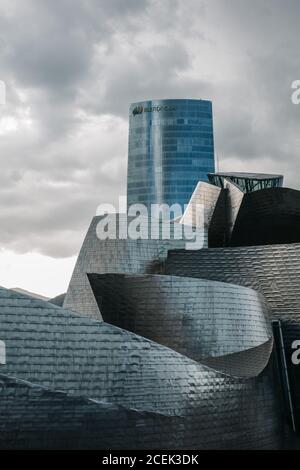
267,217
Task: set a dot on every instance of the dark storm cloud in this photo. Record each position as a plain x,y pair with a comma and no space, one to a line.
72,69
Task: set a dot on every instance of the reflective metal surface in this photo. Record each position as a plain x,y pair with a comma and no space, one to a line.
181,355
201,208
273,270
115,256
72,382
198,318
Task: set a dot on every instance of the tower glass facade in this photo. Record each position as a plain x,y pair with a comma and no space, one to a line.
171,149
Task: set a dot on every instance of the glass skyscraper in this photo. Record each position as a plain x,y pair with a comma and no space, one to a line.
171,149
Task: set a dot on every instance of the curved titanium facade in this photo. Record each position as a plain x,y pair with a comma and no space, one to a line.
273,270
171,149
223,219
198,306
198,318
201,208
116,255
261,217
260,227
73,382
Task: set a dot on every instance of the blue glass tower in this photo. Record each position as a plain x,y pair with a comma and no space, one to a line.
171,148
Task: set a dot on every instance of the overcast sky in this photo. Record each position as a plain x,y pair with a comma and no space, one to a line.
72,67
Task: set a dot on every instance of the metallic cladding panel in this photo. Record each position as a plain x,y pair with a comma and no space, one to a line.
273,270
77,372
223,219
201,207
198,318
266,217
245,363
114,256
234,200
46,419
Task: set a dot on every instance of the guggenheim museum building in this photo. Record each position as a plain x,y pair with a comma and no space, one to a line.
156,345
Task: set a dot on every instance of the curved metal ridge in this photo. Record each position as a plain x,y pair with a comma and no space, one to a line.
196,317
103,386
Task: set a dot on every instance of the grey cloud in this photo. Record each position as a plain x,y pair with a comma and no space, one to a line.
72,69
